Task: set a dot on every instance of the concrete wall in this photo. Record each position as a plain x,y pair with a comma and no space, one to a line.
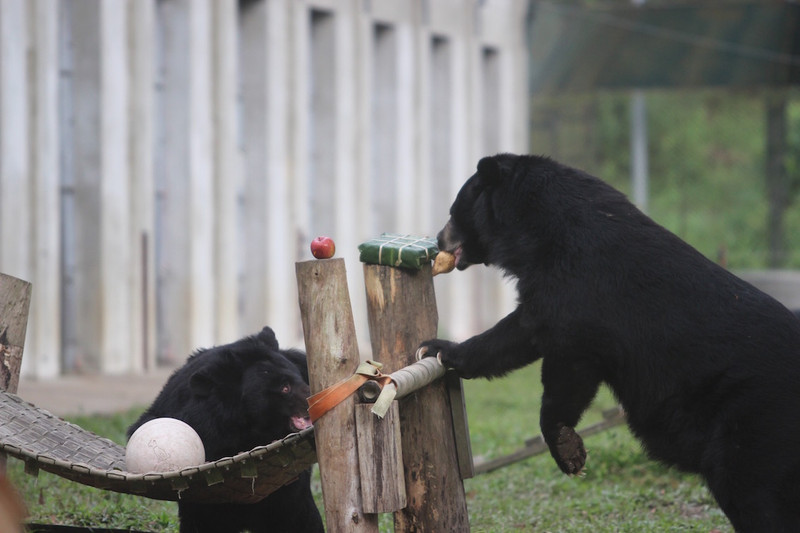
783,285
163,164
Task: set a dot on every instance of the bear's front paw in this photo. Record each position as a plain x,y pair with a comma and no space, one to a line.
441,349
568,451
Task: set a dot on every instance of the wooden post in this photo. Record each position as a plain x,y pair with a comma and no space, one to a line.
15,299
332,350
380,460
402,312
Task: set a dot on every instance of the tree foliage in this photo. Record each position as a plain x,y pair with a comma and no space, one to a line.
707,162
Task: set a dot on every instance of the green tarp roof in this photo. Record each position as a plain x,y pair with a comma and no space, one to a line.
706,44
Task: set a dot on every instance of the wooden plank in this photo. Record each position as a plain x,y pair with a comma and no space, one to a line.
402,312
380,459
332,350
612,417
15,299
458,407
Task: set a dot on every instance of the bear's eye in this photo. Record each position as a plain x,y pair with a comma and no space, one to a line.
286,389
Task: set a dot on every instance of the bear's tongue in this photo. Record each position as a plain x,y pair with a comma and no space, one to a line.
300,422
457,255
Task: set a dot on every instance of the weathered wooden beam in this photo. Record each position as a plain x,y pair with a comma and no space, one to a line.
15,300
332,350
380,459
402,312
536,445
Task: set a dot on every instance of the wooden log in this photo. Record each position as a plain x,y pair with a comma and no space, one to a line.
402,313
332,350
380,459
15,300
611,418
458,410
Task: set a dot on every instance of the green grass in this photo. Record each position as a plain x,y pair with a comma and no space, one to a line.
622,490
54,500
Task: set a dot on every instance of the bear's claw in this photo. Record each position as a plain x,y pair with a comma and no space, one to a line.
422,353
571,455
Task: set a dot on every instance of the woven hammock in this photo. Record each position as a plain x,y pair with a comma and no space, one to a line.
45,441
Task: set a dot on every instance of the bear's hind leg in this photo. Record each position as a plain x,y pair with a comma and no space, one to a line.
569,388
755,506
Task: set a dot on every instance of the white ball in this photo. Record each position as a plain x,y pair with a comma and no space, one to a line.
163,445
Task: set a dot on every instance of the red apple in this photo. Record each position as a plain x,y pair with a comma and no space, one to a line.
323,248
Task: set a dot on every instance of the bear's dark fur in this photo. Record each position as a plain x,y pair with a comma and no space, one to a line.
706,366
239,396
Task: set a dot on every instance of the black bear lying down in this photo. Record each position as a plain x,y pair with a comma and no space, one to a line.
706,366
239,396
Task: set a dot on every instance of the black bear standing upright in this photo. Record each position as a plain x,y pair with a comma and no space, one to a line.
236,397
706,366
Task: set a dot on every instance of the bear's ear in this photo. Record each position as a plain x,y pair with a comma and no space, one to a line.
202,382
489,170
267,336
298,358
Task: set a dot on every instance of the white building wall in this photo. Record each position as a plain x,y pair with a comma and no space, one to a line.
44,343
197,146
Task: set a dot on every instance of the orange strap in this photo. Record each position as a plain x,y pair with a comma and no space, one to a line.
325,400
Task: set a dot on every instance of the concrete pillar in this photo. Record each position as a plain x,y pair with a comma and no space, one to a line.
253,252
428,217
270,228
42,353
103,274
450,109
15,184
349,228
300,86
142,165
407,146
389,62
186,211
227,169
116,281
385,203
202,212
86,154
503,32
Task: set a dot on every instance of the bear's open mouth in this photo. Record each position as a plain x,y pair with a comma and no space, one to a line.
300,422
